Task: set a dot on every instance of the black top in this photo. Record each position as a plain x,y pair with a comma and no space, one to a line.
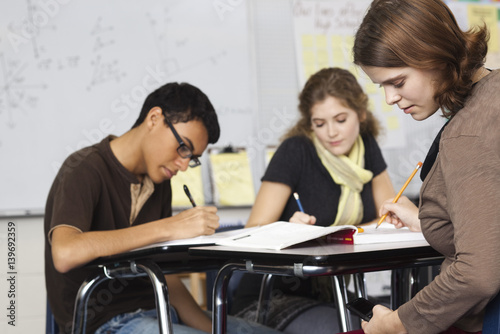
297,165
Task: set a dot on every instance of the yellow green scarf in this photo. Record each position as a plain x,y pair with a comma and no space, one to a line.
347,171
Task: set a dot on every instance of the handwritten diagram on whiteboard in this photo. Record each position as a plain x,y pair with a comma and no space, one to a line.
72,72
324,36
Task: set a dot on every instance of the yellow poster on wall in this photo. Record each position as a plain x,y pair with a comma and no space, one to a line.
193,180
232,179
485,14
324,37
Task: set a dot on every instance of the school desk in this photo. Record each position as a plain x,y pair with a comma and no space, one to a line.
312,261
151,262
302,262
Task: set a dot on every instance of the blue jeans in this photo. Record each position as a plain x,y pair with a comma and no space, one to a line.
146,322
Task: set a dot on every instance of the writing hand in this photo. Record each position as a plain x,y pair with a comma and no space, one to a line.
200,220
302,218
402,213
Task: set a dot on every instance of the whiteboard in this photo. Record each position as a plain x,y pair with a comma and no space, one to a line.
72,72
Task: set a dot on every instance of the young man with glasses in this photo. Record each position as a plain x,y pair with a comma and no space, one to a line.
115,196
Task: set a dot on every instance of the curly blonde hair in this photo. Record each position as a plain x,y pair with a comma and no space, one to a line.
338,83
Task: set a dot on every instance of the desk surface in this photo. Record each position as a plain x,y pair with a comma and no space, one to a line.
197,257
369,256
172,257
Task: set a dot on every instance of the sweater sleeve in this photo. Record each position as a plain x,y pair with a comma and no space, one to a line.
470,195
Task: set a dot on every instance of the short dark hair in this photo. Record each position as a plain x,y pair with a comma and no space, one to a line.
180,103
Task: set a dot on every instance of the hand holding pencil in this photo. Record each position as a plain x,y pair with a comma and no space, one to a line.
400,192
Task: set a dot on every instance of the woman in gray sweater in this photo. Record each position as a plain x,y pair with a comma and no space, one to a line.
415,50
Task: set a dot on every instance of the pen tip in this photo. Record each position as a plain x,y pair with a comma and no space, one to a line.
296,195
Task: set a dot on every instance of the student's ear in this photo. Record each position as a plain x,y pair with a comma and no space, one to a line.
362,116
154,117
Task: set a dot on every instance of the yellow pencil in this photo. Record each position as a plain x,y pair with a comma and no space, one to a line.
400,192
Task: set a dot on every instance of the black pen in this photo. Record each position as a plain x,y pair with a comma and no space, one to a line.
188,194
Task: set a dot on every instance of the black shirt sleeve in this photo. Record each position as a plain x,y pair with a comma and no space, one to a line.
289,161
374,160
296,164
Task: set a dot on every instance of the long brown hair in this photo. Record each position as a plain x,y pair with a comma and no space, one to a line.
423,34
338,83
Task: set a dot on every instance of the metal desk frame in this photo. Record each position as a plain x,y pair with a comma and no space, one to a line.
151,262
331,260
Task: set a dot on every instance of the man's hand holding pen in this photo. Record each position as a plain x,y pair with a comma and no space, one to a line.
200,220
196,221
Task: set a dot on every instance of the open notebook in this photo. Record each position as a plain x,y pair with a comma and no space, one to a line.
202,240
280,235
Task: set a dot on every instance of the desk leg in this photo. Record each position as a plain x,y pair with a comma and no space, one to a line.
161,294
264,299
396,288
340,292
219,314
159,285
81,301
404,285
359,284
413,282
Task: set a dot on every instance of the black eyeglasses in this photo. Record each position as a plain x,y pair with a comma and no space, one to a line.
183,150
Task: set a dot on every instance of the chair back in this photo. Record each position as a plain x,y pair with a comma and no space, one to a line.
491,322
50,323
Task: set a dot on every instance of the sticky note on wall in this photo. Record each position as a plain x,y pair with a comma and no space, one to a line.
232,179
193,179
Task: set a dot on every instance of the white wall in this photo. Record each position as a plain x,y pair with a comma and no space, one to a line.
30,295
